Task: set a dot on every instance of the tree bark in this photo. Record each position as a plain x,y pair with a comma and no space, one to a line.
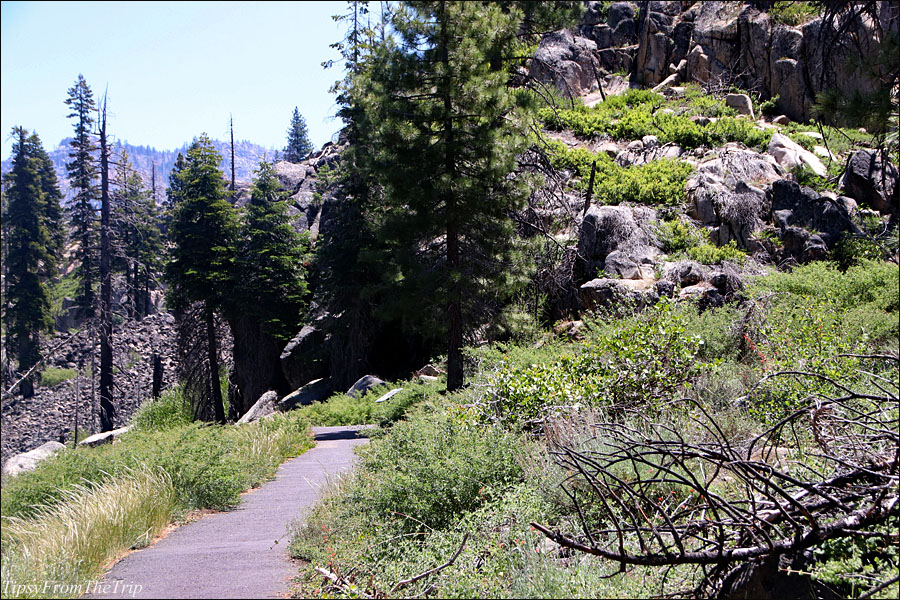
107,409
213,358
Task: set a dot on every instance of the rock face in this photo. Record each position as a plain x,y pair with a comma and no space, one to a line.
304,359
263,407
617,237
871,181
796,206
740,103
567,62
721,198
27,461
714,42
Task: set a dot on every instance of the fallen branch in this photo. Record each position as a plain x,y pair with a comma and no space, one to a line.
450,562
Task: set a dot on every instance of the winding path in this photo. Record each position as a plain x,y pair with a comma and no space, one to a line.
241,553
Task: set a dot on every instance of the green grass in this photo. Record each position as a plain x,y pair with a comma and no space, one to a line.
54,553
341,409
792,12
53,377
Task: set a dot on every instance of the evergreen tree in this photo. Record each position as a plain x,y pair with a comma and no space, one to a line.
203,232
269,289
270,260
298,144
82,175
444,133
30,251
137,234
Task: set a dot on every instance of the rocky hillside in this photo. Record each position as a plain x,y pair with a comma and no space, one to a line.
718,44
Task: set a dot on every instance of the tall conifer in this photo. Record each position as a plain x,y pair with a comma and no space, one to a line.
298,144
83,177
30,251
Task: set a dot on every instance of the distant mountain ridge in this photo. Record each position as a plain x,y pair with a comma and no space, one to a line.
143,158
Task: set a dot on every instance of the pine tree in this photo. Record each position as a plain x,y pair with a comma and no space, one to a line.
298,144
138,238
444,133
30,251
203,232
269,289
270,260
82,175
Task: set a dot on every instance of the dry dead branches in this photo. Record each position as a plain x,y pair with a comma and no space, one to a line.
828,470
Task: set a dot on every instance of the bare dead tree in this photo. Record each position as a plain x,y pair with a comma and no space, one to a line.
657,498
107,408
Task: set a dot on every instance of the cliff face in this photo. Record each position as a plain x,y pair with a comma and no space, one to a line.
720,44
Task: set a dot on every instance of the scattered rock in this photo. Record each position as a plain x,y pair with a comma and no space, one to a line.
569,329
607,293
389,395
363,385
263,407
314,391
428,379
684,273
781,120
740,103
429,370
27,461
790,155
869,180
104,438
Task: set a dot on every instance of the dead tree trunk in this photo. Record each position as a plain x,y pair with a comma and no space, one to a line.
107,409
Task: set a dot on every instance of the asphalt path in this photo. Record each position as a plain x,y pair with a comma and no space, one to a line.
240,553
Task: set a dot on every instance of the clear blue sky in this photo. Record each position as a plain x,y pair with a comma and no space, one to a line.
172,70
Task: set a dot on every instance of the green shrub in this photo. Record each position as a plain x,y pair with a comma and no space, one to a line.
341,409
709,254
659,183
790,12
770,107
678,236
53,377
638,362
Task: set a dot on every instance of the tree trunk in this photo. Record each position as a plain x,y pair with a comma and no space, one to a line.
157,376
213,358
107,409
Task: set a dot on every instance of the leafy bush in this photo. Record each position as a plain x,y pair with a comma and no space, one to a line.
638,362
790,12
709,254
770,107
52,377
621,120
679,236
341,409
659,183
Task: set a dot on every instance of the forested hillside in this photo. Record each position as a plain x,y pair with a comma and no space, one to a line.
616,283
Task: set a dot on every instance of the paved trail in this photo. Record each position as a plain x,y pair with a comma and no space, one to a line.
241,553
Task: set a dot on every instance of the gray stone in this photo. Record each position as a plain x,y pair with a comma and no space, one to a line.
389,395
27,461
795,206
684,273
566,62
314,391
781,120
740,103
303,358
607,293
790,155
363,385
869,180
104,438
263,407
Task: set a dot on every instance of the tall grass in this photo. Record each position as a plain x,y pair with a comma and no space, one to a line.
61,549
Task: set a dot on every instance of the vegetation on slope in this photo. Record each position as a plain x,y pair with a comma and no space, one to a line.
462,477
